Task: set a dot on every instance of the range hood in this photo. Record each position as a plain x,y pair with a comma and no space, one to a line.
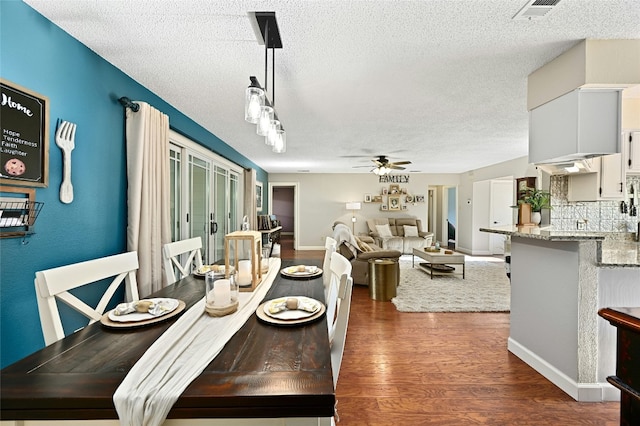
570,166
575,127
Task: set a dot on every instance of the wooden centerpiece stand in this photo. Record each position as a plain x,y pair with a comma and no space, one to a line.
241,247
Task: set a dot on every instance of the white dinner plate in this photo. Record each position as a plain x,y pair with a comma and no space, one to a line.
308,270
289,314
170,304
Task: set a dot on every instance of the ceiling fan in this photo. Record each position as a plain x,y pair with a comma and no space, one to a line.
383,166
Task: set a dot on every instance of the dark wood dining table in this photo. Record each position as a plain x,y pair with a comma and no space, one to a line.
264,371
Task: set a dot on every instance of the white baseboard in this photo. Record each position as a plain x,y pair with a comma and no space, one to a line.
311,248
582,392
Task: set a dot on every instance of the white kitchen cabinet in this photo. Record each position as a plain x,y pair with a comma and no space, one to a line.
631,145
579,124
607,183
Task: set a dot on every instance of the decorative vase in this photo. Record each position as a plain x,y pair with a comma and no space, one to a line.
536,217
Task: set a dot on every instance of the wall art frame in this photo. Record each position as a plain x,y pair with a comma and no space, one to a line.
24,124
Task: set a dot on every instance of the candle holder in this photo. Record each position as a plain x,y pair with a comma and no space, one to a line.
221,294
243,254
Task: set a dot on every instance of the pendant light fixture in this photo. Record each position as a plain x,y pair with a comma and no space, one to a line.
259,109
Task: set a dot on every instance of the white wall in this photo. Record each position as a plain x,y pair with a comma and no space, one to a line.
322,199
516,168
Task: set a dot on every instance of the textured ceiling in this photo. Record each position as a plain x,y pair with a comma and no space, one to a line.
439,82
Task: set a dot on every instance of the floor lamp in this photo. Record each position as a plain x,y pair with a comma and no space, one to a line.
353,207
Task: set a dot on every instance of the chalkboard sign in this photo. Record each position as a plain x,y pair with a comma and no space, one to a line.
24,127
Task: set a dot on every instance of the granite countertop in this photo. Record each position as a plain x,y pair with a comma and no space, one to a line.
544,233
614,250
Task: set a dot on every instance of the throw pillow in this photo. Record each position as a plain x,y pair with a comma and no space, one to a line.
384,231
410,231
363,246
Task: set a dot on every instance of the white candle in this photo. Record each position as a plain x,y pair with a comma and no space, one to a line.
222,293
244,272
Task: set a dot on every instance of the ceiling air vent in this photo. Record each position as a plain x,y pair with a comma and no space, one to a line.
535,9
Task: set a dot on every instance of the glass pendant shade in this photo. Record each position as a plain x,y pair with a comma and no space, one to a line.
254,100
272,134
280,144
264,121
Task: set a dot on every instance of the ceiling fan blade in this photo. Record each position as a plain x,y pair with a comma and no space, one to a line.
395,167
378,163
357,167
399,163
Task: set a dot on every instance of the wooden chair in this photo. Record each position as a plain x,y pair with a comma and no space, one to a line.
172,254
330,246
53,284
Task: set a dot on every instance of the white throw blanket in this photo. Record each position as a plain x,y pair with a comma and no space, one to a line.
156,381
342,233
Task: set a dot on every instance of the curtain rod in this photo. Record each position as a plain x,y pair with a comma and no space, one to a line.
128,103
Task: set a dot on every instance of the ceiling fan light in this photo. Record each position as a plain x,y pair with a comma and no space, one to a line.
272,134
264,120
280,143
254,99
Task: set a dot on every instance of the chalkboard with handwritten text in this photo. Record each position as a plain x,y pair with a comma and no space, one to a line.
24,128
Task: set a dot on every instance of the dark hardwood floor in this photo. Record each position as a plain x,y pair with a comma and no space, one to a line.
443,369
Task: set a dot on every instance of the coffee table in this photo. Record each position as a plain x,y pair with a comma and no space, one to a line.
438,258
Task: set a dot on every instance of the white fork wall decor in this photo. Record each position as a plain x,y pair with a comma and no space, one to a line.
65,139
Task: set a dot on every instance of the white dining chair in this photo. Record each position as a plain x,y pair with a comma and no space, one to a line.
340,271
338,309
180,256
330,246
54,284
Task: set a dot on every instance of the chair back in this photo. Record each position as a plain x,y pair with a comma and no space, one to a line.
179,256
338,308
53,284
331,246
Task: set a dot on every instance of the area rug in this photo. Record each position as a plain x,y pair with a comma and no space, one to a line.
485,288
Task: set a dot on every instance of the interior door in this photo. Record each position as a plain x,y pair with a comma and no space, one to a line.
501,213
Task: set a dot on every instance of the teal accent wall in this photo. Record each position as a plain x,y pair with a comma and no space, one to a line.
82,88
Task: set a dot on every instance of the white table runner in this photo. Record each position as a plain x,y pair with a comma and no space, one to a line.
156,381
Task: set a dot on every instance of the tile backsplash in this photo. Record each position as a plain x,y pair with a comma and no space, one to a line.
593,216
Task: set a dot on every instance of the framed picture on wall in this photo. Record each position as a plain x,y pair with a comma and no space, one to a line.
383,207
394,189
259,196
367,198
376,199
384,191
408,199
419,198
394,202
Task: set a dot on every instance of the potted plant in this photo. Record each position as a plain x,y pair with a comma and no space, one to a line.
538,199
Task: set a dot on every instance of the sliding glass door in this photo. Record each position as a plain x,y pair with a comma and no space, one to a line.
205,196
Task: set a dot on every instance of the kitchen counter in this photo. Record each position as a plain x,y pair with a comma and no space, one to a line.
611,252
559,281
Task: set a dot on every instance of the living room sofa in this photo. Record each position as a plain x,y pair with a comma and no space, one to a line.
358,250
402,234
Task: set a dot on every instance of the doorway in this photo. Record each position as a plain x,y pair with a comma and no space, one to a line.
284,205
